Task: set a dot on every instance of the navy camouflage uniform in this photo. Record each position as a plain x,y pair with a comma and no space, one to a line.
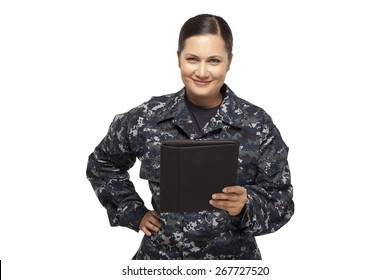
262,170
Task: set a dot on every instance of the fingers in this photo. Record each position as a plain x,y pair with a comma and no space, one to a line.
233,208
223,204
223,196
234,189
228,205
145,230
150,223
232,199
234,193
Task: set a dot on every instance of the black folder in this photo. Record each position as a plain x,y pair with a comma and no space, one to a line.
192,170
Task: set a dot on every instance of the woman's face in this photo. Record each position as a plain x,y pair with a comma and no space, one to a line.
204,63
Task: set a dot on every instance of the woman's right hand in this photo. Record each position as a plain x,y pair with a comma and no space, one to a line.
150,223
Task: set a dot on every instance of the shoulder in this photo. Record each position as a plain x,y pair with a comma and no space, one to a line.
147,109
154,105
254,120
146,114
250,109
249,113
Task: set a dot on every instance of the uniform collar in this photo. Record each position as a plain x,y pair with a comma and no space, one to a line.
229,111
173,106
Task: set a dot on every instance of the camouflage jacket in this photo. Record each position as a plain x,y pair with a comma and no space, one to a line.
263,170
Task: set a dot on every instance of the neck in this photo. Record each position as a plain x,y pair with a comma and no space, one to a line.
206,102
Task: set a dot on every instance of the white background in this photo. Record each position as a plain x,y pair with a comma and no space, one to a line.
321,69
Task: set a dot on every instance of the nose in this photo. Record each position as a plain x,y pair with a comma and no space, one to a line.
202,71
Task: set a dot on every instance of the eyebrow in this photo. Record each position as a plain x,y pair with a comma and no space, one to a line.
210,57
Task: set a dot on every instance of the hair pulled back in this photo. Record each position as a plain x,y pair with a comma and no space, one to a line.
204,24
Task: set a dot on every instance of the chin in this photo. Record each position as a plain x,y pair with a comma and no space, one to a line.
201,92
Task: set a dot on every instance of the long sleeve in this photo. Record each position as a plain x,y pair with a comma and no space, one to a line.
270,199
107,171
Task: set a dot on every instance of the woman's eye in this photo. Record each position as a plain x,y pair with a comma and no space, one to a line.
191,59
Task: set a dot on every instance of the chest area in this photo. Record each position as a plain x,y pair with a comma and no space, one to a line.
149,144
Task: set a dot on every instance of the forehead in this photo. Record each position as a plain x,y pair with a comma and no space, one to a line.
205,45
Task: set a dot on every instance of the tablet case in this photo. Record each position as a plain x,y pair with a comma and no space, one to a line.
192,170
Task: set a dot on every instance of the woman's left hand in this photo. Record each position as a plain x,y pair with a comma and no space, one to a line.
232,199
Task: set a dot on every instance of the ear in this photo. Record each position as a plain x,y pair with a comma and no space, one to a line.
230,61
178,58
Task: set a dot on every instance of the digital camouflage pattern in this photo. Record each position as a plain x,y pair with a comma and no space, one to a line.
263,171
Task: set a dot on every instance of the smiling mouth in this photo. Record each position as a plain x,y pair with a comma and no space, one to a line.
201,83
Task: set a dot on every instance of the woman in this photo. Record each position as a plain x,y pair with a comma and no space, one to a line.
206,108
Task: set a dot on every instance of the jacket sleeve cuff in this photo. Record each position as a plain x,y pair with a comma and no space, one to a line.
237,220
133,217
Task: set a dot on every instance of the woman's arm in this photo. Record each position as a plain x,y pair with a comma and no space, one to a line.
270,204
270,199
266,205
107,170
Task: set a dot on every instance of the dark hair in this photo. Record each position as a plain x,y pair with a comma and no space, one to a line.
204,24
